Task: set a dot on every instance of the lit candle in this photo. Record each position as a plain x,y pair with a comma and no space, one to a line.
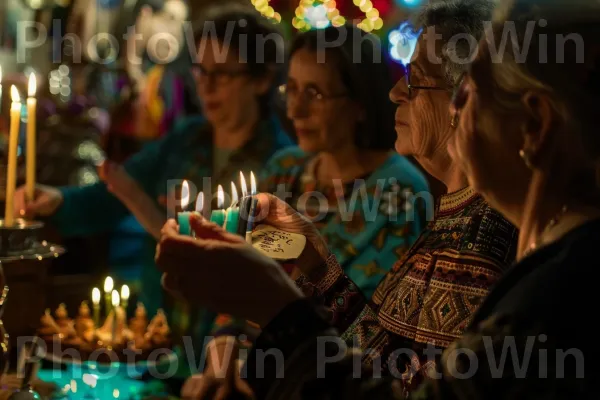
96,305
11,173
232,214
31,138
108,287
218,216
245,202
250,225
115,305
125,295
183,217
0,87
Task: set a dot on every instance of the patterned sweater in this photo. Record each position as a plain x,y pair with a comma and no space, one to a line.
431,293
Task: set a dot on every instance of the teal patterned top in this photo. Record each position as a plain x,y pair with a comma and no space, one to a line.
368,223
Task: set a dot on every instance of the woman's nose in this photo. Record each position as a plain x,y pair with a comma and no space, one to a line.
399,93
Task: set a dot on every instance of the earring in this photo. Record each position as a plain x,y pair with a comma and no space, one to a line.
454,120
526,156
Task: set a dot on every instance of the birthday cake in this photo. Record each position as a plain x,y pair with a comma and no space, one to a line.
116,339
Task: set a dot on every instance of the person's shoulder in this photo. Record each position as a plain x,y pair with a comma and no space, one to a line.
404,172
489,234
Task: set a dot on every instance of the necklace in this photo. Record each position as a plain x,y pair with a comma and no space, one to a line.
551,224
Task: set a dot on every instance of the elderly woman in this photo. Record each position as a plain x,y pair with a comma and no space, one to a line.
537,117
431,293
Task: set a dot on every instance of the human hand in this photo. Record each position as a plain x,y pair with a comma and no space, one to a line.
223,273
273,211
221,377
46,201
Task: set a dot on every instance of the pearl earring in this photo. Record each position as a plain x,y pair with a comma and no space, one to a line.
526,156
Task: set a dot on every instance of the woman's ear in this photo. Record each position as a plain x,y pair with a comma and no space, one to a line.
538,121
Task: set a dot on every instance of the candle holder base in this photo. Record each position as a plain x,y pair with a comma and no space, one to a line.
21,241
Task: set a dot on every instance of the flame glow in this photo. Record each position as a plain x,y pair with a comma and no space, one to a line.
234,194
96,296
220,196
14,95
32,86
109,284
252,184
243,185
125,292
200,202
185,194
115,298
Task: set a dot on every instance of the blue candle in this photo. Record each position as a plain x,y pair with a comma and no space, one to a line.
252,211
232,214
218,216
183,217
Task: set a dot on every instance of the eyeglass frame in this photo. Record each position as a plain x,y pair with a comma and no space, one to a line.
411,87
213,76
318,96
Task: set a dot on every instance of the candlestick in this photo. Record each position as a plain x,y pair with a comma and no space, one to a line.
183,217
124,296
252,211
11,173
31,138
96,306
232,214
108,288
115,305
0,87
218,216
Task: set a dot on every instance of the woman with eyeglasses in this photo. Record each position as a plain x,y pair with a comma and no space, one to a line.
432,291
238,131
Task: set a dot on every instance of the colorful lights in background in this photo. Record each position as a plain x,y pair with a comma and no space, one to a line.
317,14
263,7
403,42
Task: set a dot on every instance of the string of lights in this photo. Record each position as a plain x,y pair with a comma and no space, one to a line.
321,13
263,7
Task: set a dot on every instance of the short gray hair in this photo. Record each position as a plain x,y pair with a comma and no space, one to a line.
451,18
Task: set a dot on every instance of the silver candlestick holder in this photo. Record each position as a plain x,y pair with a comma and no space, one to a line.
22,241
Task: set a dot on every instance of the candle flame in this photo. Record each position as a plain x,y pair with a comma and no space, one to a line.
32,86
185,194
14,94
252,184
234,194
220,196
243,185
200,202
96,296
125,292
109,284
115,298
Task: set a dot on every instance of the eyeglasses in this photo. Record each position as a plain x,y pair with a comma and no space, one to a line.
310,95
412,88
219,77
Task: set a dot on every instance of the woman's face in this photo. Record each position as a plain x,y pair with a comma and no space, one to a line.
486,146
228,94
324,116
422,121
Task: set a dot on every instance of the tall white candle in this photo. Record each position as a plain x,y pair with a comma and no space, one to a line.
13,143
31,138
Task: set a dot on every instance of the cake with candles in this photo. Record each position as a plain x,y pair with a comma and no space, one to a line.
112,338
